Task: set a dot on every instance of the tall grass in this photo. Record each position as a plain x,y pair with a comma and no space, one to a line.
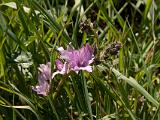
122,86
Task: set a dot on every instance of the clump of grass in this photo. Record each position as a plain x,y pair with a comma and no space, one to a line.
124,83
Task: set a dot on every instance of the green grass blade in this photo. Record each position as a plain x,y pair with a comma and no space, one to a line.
23,18
32,108
12,35
57,27
53,108
131,81
86,96
147,8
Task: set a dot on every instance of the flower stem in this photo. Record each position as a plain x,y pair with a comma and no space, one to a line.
59,87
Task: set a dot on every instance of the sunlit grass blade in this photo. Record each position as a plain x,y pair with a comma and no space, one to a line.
23,18
12,35
84,84
147,9
120,19
56,27
32,108
8,105
53,108
78,96
104,12
2,60
131,81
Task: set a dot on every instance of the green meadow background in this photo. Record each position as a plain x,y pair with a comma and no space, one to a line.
122,86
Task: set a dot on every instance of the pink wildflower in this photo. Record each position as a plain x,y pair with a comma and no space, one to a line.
44,79
78,59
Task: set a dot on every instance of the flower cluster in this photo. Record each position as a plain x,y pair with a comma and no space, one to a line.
74,60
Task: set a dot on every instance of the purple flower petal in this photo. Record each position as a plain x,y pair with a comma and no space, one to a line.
78,59
61,68
45,72
59,65
44,78
86,52
87,68
42,88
